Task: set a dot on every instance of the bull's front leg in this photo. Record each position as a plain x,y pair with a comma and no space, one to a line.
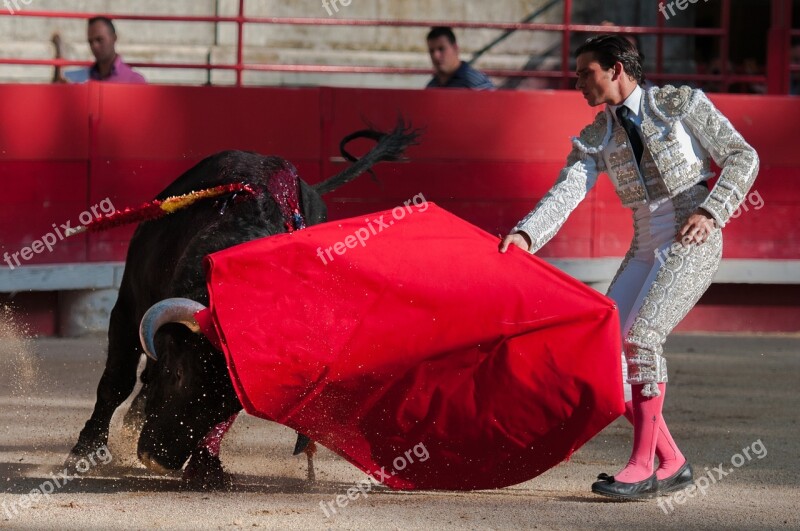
116,384
204,470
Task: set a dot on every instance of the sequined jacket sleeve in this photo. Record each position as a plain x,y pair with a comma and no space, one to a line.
573,183
738,160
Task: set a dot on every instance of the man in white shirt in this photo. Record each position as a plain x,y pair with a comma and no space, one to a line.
655,145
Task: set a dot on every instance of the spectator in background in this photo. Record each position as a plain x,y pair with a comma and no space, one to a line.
449,71
632,38
794,59
713,66
108,66
748,67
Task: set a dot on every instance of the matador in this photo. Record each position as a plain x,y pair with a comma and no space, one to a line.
656,146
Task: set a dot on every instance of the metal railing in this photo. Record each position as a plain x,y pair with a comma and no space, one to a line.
777,79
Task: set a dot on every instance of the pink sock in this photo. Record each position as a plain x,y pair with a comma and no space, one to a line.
670,458
646,422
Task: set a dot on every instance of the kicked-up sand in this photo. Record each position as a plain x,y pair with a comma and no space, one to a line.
732,405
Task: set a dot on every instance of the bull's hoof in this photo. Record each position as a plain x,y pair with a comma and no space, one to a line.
71,462
78,464
204,472
86,450
301,444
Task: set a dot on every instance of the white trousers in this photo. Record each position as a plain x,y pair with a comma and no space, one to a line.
658,283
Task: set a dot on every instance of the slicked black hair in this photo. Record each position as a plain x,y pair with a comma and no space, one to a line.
442,31
104,20
609,49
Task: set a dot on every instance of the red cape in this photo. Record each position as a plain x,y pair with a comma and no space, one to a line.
424,357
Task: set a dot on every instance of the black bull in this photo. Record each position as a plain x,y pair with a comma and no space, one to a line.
188,390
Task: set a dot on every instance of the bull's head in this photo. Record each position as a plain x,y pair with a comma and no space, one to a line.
189,390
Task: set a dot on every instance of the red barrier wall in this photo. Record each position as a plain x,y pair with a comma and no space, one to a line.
487,157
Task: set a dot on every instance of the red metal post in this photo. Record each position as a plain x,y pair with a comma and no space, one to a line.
239,43
778,41
565,71
724,45
660,20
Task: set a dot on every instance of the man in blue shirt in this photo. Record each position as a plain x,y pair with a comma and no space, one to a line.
449,71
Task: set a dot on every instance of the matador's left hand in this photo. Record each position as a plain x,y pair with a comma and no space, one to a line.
697,228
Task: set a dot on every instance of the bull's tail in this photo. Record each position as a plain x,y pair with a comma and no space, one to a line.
390,147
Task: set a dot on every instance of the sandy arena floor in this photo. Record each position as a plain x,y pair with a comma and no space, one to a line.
729,398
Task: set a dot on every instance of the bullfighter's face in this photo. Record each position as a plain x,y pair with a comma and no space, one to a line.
598,85
189,391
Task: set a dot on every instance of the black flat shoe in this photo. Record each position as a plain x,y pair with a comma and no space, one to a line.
608,486
677,481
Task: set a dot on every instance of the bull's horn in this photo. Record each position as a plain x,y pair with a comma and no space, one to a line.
176,310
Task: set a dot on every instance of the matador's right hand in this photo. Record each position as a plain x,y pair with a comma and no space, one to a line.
520,239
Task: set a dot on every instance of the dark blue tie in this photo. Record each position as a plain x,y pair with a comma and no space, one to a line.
623,113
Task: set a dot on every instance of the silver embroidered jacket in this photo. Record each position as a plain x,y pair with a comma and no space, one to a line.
680,130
